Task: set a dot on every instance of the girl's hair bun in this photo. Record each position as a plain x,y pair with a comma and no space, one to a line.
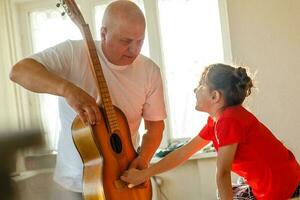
244,82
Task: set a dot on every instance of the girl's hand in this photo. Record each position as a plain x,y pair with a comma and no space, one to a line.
134,177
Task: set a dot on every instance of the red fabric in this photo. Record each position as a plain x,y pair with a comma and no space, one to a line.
267,165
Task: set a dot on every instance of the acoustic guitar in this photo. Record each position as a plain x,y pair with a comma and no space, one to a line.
105,148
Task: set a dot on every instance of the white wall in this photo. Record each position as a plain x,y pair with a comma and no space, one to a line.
193,180
265,35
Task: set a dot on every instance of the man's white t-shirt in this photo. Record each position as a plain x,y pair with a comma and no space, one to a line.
136,89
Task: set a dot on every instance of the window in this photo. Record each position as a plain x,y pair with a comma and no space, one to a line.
48,28
191,38
185,35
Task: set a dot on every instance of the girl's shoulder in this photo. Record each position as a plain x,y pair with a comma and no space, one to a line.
238,113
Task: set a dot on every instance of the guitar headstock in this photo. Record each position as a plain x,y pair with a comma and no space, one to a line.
72,10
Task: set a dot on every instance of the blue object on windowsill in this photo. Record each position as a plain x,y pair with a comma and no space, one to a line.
173,146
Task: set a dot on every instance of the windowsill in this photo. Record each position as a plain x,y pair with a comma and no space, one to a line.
196,156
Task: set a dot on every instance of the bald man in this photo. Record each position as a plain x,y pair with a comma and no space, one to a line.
134,82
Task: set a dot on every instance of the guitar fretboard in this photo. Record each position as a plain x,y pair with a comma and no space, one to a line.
102,88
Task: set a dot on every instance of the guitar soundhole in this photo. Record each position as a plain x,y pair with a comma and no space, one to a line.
116,143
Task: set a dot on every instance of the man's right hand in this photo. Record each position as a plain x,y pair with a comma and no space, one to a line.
83,104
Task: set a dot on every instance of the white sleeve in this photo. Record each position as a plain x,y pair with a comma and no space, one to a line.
57,59
154,107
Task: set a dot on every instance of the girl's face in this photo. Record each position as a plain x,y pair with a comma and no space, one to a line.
204,98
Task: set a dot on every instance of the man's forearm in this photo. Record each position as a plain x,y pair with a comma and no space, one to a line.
33,76
151,140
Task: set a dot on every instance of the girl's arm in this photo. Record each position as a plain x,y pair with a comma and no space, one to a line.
175,158
224,162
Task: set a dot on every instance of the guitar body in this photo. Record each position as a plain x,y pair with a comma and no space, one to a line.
105,157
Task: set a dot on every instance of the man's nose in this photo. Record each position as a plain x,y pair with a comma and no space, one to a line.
134,48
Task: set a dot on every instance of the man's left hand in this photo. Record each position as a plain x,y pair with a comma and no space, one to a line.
139,163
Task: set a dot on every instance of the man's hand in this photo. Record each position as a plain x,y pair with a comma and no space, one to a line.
83,104
139,163
132,175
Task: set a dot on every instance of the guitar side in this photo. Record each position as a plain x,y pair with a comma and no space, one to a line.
83,137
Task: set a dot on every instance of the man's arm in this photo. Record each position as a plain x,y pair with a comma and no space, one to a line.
35,77
151,141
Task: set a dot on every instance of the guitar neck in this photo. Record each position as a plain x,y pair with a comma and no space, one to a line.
102,88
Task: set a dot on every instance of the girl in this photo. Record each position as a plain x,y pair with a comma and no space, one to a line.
244,145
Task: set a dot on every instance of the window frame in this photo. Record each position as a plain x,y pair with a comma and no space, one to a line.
24,7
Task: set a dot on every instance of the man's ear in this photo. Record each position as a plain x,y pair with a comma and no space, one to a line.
103,32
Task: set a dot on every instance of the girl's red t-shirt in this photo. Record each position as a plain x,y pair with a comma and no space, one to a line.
266,164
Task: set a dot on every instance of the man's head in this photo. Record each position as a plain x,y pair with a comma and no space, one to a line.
122,32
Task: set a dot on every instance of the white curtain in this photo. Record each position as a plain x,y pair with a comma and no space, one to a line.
16,111
19,109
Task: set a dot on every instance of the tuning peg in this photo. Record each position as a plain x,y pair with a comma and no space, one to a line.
58,5
63,13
